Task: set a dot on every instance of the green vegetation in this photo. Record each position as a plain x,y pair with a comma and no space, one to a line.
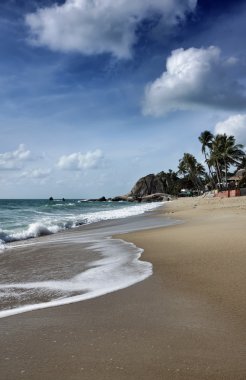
223,158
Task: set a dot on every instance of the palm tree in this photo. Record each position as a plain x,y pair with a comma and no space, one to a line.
188,166
206,139
231,153
215,157
242,164
224,153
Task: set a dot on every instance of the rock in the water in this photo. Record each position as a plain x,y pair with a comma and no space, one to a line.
120,198
102,199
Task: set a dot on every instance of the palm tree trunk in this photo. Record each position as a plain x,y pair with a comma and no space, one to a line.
218,173
226,173
209,169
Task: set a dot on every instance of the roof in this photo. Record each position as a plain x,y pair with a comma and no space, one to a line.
241,172
235,178
238,176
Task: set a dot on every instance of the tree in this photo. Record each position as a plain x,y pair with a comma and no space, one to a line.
231,154
242,164
224,153
206,139
188,166
215,157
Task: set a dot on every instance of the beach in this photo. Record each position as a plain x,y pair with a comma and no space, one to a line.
186,321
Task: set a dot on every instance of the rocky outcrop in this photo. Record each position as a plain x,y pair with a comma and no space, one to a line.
150,184
154,187
158,197
119,198
151,188
102,199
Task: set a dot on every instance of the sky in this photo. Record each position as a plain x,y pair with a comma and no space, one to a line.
95,94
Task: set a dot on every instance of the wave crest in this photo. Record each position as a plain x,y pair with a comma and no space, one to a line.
52,225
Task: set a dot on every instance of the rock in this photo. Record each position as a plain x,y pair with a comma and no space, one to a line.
131,199
102,199
144,186
152,188
158,197
150,184
120,198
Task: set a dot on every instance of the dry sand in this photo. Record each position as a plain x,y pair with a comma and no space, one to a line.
187,321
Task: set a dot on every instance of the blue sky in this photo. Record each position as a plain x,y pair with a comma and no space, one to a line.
95,94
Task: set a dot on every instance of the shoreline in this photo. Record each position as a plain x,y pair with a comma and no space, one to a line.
59,223
186,321
97,253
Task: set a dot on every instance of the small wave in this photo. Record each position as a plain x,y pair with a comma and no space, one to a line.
118,268
63,205
33,230
3,237
49,226
119,213
2,245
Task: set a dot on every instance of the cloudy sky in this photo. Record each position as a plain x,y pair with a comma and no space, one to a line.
97,93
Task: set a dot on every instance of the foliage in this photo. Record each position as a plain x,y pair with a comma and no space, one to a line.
193,170
221,154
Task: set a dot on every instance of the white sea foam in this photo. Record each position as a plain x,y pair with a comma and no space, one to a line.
50,224
119,268
2,245
33,230
124,212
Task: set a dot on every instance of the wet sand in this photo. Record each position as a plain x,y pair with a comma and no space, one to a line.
186,321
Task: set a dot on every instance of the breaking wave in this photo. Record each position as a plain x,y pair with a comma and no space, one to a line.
50,224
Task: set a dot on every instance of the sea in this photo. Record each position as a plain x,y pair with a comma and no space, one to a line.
62,251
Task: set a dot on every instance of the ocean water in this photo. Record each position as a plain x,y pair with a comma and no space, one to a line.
81,262
23,219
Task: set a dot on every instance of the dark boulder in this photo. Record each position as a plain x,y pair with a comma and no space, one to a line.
158,197
120,198
150,184
102,199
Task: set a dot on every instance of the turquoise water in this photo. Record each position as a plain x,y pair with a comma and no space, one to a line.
23,219
67,267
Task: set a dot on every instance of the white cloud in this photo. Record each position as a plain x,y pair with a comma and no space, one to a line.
14,160
195,77
235,125
100,26
37,173
79,161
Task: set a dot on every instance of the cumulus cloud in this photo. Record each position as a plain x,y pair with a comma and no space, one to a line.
235,125
80,161
37,173
195,77
100,26
14,160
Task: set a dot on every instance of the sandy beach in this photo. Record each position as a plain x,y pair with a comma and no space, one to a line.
186,321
